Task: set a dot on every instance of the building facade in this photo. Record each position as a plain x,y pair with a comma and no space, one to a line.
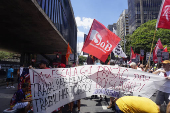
110,27
150,8
123,24
61,14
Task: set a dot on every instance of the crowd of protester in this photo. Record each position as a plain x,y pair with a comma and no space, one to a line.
126,104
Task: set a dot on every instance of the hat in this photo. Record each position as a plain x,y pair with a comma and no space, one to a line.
133,64
166,62
43,62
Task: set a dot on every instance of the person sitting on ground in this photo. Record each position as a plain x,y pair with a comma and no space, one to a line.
134,104
21,101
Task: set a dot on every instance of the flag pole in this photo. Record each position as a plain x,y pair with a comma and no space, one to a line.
152,46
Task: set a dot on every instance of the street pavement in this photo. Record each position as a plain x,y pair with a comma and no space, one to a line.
88,105
5,96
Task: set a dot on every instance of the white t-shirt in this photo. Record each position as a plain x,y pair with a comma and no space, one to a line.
166,86
162,74
139,69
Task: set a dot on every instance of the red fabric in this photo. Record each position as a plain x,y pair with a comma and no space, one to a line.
68,52
165,49
164,17
157,46
141,58
100,41
132,55
62,65
165,75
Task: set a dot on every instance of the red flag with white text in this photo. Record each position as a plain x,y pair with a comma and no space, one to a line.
157,46
100,41
163,20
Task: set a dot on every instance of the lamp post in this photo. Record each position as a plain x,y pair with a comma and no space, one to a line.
124,21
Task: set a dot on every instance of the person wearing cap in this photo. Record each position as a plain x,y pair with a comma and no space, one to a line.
163,96
43,64
135,104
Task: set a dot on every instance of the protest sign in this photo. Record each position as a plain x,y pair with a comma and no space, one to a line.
53,88
165,56
142,52
159,52
147,56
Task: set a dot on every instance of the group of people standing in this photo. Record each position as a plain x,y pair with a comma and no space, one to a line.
126,104
133,104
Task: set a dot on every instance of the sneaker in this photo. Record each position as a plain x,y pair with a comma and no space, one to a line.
12,87
7,87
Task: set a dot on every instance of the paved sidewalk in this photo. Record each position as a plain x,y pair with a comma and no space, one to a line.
5,96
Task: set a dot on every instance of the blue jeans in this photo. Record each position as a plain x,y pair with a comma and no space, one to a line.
117,109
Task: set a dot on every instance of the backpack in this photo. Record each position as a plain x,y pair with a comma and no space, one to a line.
13,100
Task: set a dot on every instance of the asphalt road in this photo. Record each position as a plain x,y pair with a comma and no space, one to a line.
88,105
5,97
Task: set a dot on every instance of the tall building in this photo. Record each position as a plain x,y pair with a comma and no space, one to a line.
115,28
110,27
150,8
122,24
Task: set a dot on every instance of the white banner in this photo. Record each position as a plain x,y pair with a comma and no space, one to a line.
53,88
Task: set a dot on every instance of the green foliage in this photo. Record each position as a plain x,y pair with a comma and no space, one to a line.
82,59
5,55
143,36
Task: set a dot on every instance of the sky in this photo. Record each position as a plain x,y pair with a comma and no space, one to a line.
105,11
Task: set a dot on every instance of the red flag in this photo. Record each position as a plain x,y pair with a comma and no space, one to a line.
132,56
100,41
68,52
157,46
141,57
165,49
164,17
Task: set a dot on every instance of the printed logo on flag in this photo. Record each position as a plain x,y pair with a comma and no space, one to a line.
164,15
98,43
117,49
166,12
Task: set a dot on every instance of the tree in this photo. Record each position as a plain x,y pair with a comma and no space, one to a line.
5,55
143,36
82,59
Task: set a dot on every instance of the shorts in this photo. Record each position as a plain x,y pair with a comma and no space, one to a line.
161,97
20,105
9,79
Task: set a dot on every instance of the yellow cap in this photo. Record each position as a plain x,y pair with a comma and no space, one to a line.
166,62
